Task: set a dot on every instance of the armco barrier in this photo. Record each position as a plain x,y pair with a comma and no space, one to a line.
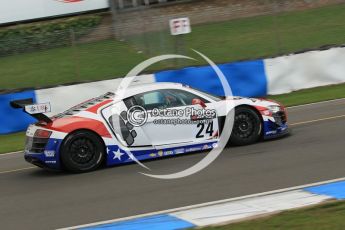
245,78
12,120
61,98
250,78
306,70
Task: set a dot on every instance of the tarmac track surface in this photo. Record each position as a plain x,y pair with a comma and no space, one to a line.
32,198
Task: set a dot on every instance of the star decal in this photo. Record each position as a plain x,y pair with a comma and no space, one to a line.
117,154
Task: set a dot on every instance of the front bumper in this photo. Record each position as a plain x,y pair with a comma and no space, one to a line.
276,126
282,131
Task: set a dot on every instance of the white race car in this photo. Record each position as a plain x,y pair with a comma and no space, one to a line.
152,121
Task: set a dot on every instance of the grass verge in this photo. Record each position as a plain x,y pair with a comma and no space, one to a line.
15,142
255,37
239,39
312,95
12,142
325,216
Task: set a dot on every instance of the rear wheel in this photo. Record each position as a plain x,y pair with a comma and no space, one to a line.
247,127
82,151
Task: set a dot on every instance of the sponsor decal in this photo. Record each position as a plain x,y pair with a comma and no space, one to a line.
38,108
205,147
49,153
153,155
179,151
168,153
214,145
271,132
193,149
160,153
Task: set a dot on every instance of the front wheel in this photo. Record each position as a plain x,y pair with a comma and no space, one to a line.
82,151
247,127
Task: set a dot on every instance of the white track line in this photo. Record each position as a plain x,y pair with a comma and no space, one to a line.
316,120
17,170
205,204
5,154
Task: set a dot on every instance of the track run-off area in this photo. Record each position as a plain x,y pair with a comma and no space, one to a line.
32,198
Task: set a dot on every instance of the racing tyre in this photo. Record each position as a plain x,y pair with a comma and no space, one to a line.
82,151
247,127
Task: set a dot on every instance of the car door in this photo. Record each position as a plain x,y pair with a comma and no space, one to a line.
127,134
205,127
178,127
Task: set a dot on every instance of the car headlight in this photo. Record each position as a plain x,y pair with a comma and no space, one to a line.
274,108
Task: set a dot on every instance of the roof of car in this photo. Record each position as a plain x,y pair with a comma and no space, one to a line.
135,89
155,85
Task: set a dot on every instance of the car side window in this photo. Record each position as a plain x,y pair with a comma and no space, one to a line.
186,97
151,100
130,102
162,99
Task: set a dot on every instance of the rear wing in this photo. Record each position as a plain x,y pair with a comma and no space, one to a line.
34,110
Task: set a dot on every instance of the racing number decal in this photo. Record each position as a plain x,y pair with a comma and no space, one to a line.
209,129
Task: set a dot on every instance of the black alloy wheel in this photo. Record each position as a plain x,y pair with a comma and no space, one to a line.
82,151
247,127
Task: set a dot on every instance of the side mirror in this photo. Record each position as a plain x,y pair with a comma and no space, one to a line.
197,101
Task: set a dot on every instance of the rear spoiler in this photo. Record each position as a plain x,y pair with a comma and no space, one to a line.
34,110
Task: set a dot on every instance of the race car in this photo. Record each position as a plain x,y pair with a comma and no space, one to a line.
150,121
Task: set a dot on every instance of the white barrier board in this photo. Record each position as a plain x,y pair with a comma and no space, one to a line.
301,71
65,97
20,10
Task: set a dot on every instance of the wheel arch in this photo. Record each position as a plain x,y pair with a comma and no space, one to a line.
81,130
253,108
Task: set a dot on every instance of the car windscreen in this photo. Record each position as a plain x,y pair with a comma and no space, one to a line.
213,97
